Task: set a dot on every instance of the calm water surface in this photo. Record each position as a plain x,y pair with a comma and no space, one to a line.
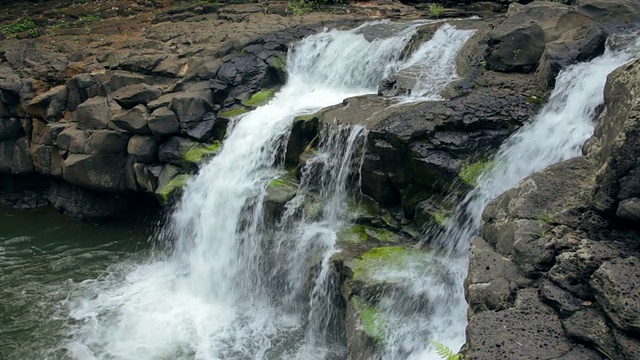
44,260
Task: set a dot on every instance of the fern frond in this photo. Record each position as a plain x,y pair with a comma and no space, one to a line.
444,352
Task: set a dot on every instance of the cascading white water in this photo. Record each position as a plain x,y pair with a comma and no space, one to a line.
435,62
211,298
555,134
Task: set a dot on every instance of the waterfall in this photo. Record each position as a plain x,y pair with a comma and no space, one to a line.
233,286
556,133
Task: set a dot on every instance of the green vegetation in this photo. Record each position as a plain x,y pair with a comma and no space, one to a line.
362,233
86,19
174,186
440,218
436,10
470,171
301,7
444,352
231,113
370,319
19,26
546,219
196,154
384,257
535,100
260,98
277,183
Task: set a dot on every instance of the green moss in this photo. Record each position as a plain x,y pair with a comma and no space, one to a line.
546,219
18,26
361,233
370,319
380,257
280,65
174,186
470,172
260,98
231,113
440,218
277,183
535,100
197,153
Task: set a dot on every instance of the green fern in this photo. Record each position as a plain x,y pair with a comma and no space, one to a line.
444,352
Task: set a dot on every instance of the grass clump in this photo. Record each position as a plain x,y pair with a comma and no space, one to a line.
260,98
436,10
471,171
19,26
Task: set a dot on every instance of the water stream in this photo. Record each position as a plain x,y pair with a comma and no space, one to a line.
233,286
229,285
556,133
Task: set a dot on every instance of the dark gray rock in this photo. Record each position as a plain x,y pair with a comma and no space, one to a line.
587,326
143,148
137,94
50,105
147,176
629,209
210,128
84,203
98,172
531,330
94,113
22,162
80,88
617,288
163,121
611,12
191,107
6,155
134,120
72,139
562,301
172,150
9,128
104,142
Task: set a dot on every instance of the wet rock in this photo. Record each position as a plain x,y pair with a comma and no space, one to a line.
617,288
137,94
50,105
170,183
93,114
173,150
134,120
83,203
278,193
303,131
163,121
143,148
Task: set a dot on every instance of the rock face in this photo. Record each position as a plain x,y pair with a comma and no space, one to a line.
563,239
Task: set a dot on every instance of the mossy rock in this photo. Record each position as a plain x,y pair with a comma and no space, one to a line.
470,172
260,98
361,234
232,112
173,188
200,152
384,260
371,321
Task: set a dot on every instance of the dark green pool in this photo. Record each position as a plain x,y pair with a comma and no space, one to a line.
43,258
